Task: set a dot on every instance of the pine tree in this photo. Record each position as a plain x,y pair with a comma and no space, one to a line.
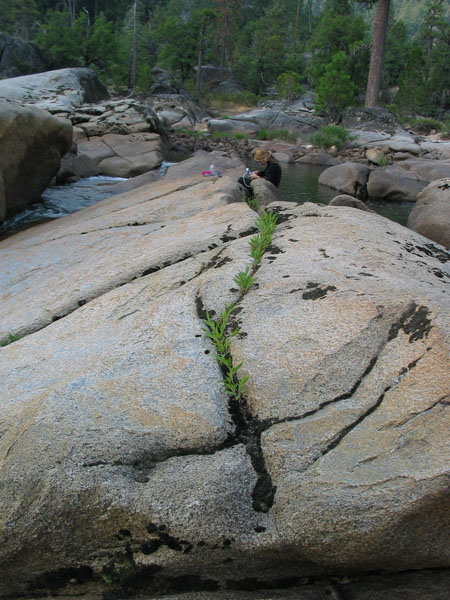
227,10
412,91
24,14
335,89
334,33
289,85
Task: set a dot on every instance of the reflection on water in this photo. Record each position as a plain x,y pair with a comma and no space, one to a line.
299,183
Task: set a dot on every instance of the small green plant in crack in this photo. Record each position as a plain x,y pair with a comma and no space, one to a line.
9,340
253,202
257,248
382,160
233,384
244,279
266,224
118,569
216,331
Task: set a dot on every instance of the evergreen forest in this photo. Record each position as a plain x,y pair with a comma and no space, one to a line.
271,47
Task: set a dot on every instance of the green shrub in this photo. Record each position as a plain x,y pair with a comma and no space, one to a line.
253,202
446,130
11,338
278,134
331,135
190,132
220,134
240,136
220,100
382,160
283,134
426,125
263,134
244,279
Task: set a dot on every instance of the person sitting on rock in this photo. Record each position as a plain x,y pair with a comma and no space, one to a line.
272,171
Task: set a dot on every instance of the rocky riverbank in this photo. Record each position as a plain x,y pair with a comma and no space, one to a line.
126,468
116,420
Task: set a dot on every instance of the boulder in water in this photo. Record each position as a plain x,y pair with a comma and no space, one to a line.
431,213
345,200
349,178
392,186
32,143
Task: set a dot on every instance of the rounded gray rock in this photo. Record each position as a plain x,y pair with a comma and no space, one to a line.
431,214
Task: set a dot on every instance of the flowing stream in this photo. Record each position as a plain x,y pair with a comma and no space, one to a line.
60,200
299,183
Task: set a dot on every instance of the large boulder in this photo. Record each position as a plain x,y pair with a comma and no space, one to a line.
178,111
390,186
425,170
124,155
126,469
57,91
165,83
348,178
298,120
371,119
18,57
265,193
398,143
76,166
218,79
436,149
118,231
124,116
345,200
431,213
320,157
233,125
32,143
404,180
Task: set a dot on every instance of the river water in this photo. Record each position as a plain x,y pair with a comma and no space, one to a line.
299,183
60,200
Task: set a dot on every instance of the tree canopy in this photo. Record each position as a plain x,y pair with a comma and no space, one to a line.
276,46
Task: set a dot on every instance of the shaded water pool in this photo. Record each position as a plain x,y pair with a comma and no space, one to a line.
299,183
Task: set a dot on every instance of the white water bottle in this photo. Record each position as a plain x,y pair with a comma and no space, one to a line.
212,169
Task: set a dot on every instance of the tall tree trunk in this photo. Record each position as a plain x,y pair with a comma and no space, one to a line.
377,55
133,74
226,26
297,16
198,78
72,8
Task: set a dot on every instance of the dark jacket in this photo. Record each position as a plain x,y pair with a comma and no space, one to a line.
272,173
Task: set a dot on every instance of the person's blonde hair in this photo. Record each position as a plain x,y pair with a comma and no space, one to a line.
262,155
